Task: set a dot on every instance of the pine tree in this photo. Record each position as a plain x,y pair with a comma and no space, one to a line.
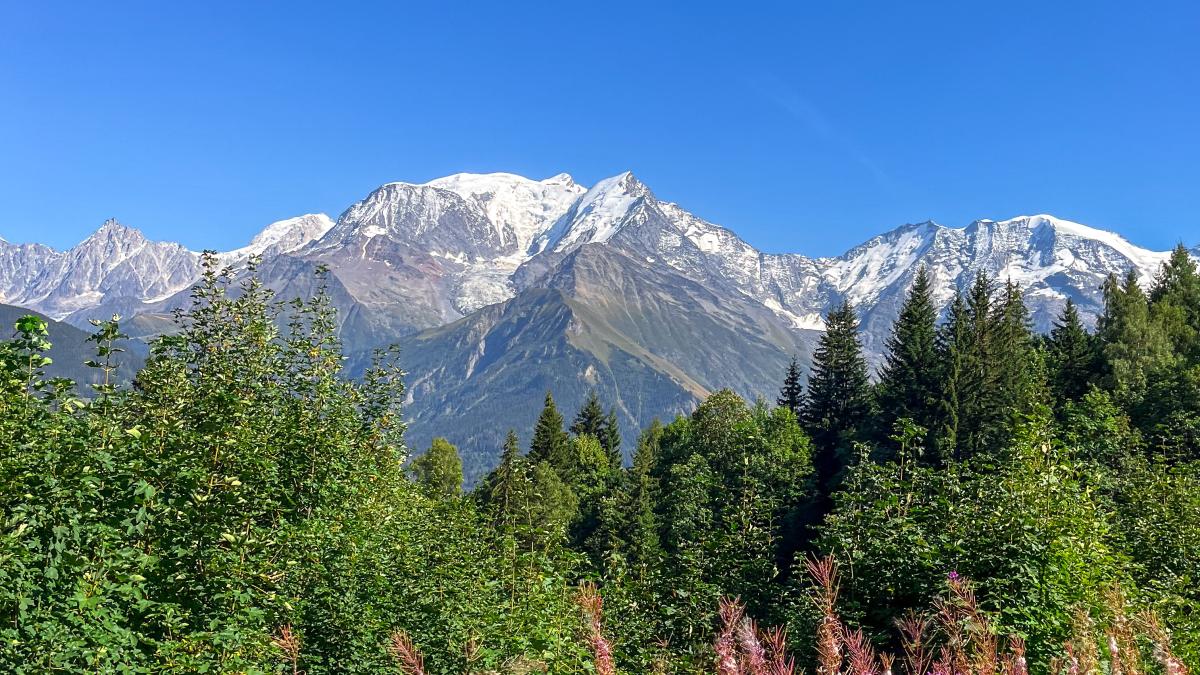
1175,298
505,487
791,396
439,470
979,410
610,438
1134,342
590,418
550,442
1019,378
591,421
839,396
951,349
1072,357
908,382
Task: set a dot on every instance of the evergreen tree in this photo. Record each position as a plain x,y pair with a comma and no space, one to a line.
1176,300
909,380
791,396
979,413
640,525
1072,357
590,418
951,350
610,438
1135,342
839,396
439,470
550,442
591,421
549,508
1178,280
503,490
1019,378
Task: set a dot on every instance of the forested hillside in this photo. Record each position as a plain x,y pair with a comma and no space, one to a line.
994,501
70,350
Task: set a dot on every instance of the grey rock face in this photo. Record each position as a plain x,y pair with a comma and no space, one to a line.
115,262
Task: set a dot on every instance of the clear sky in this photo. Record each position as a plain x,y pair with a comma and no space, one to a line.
803,126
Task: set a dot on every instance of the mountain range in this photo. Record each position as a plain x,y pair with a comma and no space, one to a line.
499,288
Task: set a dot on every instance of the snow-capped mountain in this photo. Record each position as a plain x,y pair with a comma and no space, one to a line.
437,251
118,270
448,247
500,287
1050,258
115,261
282,236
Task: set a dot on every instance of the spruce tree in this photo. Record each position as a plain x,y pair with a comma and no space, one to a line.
1019,379
1175,298
505,487
791,396
610,437
590,418
1178,280
1134,342
908,382
839,396
951,350
979,410
1072,357
550,442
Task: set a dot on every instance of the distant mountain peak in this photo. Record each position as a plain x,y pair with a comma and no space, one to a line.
518,207
601,212
113,229
560,179
283,236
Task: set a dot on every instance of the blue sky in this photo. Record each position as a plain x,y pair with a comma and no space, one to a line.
805,127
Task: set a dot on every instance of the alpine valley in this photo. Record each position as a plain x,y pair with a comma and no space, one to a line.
498,288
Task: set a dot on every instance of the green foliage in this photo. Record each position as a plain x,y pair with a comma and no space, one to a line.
1135,340
592,421
839,396
550,442
908,382
952,343
1157,526
723,488
439,470
1176,297
1098,430
791,395
1168,413
242,485
1030,530
1073,357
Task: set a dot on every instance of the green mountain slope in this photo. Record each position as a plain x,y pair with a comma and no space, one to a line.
71,349
650,342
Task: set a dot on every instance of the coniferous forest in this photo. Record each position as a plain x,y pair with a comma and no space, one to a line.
990,501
